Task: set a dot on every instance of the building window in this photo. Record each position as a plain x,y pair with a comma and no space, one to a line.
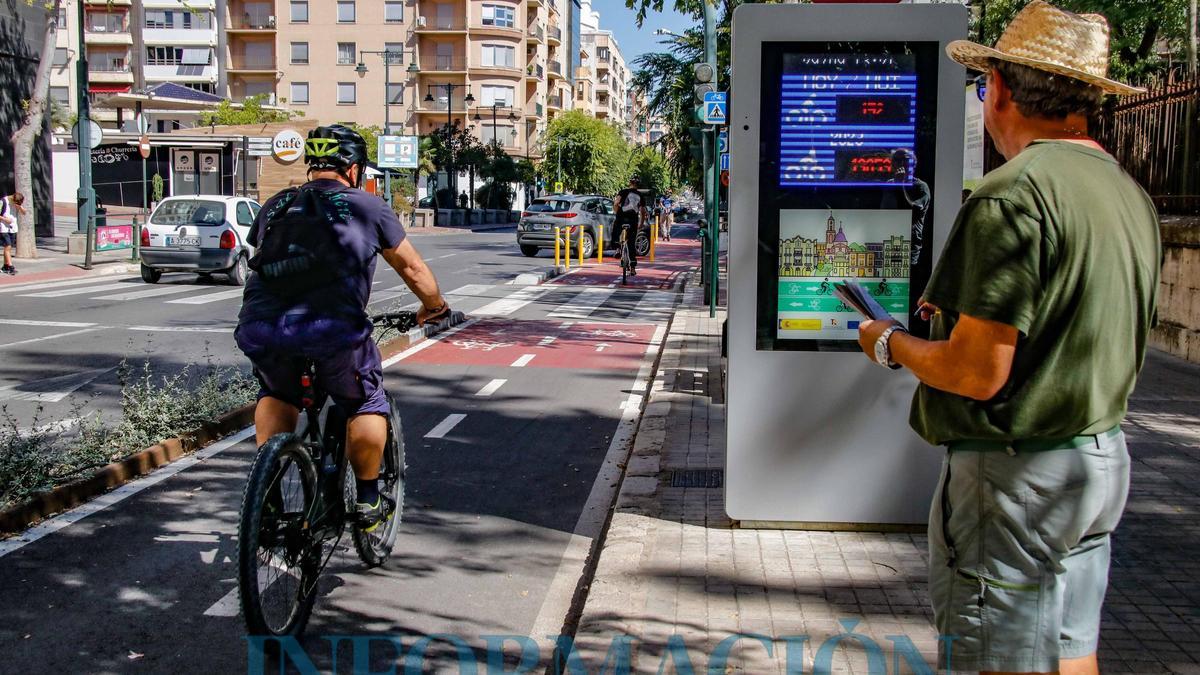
393,12
492,94
499,55
300,52
62,95
499,134
345,92
206,87
395,93
499,15
165,18
62,19
395,51
346,54
61,56
345,11
299,92
105,22
300,11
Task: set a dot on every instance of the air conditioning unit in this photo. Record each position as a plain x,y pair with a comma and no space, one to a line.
421,22
270,21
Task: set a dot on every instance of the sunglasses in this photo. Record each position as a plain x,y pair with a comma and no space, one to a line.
981,86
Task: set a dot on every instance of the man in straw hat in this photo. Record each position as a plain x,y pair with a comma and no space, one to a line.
1040,306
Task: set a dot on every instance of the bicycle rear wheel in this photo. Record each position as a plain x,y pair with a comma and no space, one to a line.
277,566
375,546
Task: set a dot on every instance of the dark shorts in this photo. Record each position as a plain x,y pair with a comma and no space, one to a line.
352,376
8,239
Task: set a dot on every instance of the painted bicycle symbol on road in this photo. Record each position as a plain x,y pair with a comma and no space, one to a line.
480,345
600,332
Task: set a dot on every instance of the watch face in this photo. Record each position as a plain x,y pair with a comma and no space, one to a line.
881,355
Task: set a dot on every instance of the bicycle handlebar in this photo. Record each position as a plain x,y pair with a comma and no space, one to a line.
400,321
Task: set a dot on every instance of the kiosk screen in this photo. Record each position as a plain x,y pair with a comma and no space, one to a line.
848,198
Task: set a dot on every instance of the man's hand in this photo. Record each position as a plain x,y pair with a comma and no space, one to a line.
432,314
868,335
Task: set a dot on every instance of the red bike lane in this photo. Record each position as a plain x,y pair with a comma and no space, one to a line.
671,260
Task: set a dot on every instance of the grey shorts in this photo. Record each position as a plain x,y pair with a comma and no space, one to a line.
1019,553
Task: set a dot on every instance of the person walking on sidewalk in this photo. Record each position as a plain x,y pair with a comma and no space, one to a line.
1040,306
10,208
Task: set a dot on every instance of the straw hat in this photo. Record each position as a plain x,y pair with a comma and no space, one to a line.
1047,38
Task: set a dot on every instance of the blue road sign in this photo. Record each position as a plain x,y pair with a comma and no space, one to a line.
397,152
724,161
723,142
715,107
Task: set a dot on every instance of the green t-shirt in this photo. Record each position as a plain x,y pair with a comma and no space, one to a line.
1061,244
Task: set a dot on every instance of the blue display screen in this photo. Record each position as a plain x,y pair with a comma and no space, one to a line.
847,119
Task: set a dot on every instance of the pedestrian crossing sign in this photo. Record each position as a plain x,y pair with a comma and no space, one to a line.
714,107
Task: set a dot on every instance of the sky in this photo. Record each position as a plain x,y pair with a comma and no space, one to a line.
615,16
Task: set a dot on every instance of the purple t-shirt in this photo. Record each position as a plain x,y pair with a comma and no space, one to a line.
364,225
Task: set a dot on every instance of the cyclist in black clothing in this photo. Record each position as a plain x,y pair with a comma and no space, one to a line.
630,206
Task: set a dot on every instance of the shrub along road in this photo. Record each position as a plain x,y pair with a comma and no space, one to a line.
515,425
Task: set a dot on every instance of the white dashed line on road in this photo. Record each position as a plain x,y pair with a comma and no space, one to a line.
52,337
55,324
446,425
490,388
181,329
523,361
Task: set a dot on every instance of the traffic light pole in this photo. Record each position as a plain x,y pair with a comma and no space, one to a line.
711,158
86,195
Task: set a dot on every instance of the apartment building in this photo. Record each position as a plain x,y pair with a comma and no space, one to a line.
610,74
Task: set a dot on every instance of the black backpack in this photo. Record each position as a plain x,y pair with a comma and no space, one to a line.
298,250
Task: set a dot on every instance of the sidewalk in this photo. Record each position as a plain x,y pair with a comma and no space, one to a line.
675,574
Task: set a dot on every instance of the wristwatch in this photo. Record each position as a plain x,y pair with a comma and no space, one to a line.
883,355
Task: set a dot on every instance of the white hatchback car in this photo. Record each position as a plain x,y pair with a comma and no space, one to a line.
204,234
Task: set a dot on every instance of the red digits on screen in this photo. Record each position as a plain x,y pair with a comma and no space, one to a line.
873,108
871,165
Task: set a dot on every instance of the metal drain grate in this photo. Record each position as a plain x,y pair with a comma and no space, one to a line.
698,478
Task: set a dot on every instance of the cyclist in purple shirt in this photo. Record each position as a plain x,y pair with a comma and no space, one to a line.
280,330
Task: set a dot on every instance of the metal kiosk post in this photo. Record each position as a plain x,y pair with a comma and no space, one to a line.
848,146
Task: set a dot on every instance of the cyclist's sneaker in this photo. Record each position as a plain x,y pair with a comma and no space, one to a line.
370,515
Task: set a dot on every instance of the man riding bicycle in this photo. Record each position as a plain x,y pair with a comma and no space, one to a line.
308,301
630,206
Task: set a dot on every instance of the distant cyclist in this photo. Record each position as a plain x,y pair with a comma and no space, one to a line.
630,206
307,299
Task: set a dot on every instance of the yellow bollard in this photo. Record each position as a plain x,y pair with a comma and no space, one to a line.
581,246
557,252
567,242
600,244
653,238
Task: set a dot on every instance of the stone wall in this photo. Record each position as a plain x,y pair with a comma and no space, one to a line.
1178,330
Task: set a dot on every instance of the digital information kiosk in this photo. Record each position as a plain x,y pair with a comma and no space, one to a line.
846,130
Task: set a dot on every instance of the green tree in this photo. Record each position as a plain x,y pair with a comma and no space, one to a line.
652,170
594,156
251,111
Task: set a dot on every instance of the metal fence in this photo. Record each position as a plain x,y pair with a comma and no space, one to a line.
1156,138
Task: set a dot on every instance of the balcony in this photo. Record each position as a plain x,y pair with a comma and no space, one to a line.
435,25
554,36
535,111
535,71
535,34
499,30
245,64
439,105
107,31
251,22
554,102
444,64
556,70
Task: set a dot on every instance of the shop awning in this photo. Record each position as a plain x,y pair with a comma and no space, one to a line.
94,88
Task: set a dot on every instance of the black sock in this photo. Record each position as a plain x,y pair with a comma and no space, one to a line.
368,490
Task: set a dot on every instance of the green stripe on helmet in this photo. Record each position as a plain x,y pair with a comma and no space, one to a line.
320,147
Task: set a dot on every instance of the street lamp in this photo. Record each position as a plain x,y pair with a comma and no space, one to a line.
664,31
512,117
467,101
362,70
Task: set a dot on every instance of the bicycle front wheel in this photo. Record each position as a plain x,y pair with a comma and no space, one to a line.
375,546
277,566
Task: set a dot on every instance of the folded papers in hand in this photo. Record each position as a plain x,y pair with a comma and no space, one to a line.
852,293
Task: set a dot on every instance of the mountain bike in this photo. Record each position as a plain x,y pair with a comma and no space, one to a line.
626,262
299,502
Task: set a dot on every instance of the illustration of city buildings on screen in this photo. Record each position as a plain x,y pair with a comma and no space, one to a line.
820,247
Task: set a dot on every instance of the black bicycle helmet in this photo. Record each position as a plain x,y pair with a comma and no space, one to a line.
335,148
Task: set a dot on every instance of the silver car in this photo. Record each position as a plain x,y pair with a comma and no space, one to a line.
594,213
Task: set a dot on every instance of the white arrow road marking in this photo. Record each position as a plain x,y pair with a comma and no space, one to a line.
51,389
445,426
602,346
490,388
52,337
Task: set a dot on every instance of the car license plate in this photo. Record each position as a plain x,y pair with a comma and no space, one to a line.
183,241
541,226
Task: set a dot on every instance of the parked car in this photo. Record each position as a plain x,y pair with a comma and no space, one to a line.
204,234
594,213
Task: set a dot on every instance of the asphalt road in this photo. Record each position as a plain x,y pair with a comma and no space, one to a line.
514,425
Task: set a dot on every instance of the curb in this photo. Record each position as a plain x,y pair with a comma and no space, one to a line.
393,347
535,278
67,496
104,267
